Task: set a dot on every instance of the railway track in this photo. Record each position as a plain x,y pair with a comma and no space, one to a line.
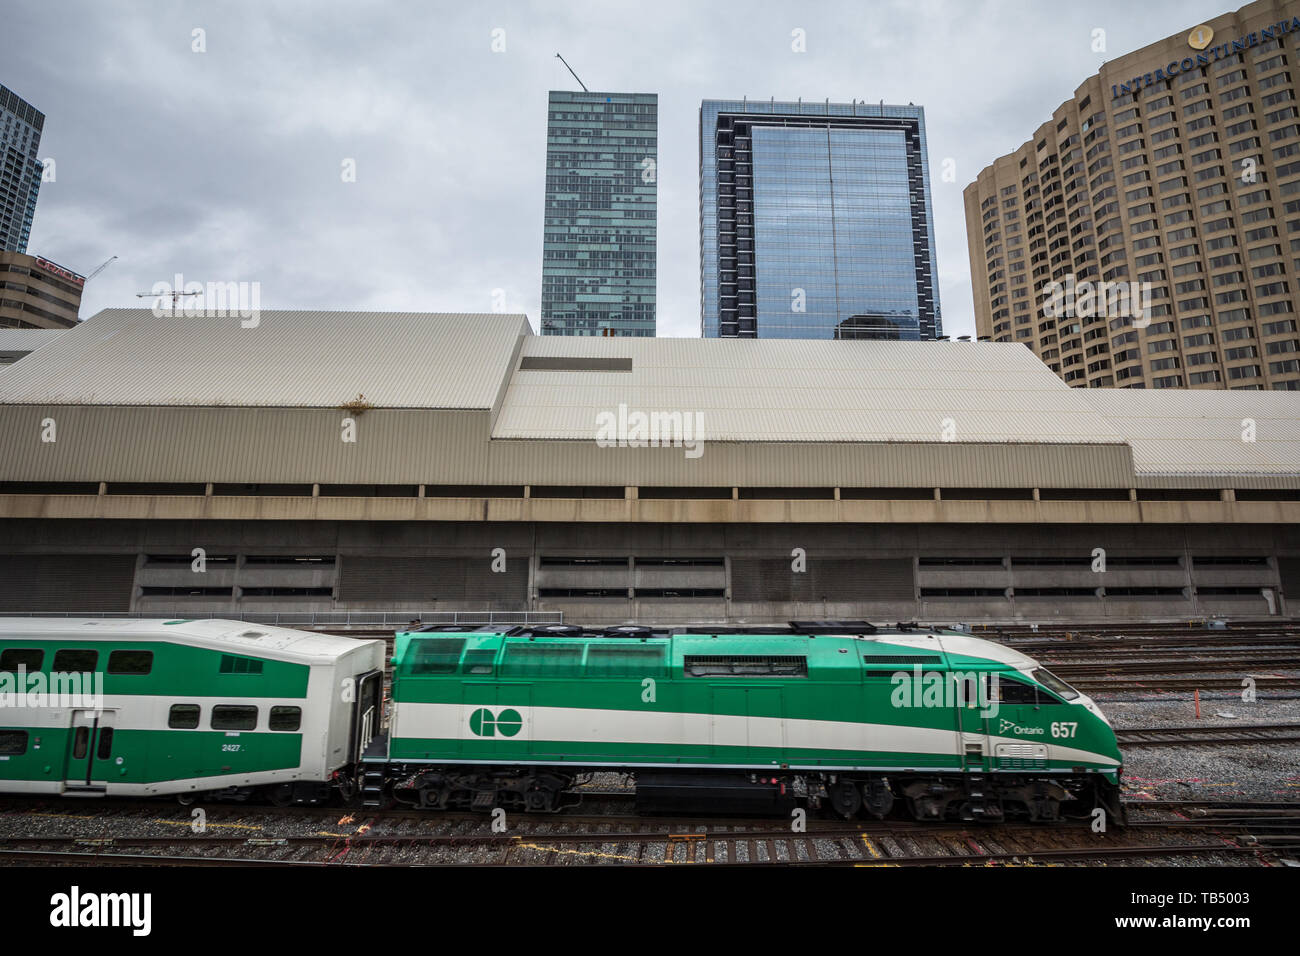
833,846
1068,671
1092,686
1201,735
1222,830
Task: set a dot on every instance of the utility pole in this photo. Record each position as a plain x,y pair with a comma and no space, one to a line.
575,75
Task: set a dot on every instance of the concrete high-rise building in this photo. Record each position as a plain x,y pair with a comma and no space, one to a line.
20,170
37,294
1148,236
815,221
598,253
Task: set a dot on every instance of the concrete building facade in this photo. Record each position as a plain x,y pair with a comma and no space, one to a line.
1148,235
37,294
157,464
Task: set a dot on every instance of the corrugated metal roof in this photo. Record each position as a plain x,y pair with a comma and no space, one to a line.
1194,432
809,391
27,340
290,359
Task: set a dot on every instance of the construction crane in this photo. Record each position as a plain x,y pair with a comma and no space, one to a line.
100,269
175,296
575,75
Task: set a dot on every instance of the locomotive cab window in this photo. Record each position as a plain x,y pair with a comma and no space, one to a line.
28,658
130,662
285,718
1011,691
1055,685
233,717
13,743
183,717
75,661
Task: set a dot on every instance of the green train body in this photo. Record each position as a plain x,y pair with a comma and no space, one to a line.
948,724
215,708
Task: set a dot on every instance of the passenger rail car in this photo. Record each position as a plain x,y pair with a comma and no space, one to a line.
218,709
937,724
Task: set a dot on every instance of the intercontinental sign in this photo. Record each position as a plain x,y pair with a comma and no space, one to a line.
1200,39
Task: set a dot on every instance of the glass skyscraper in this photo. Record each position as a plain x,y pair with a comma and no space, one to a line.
598,252
815,222
20,170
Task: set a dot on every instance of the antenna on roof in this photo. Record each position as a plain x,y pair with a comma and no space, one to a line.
575,75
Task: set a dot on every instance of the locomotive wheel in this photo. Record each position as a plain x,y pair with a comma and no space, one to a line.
537,800
280,795
845,799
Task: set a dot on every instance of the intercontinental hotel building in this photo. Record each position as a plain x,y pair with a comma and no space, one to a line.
1173,174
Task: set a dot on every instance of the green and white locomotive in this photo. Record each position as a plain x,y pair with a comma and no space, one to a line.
218,709
837,714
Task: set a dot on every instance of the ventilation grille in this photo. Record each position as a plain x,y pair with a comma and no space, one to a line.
746,665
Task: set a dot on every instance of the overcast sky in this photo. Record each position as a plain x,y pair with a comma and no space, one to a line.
226,165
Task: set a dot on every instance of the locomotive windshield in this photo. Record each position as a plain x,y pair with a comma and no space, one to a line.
1054,684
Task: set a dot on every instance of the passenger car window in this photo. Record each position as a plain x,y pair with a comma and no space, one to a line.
183,716
29,658
75,661
13,743
233,717
285,718
130,662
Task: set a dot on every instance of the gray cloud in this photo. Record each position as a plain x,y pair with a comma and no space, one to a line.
225,165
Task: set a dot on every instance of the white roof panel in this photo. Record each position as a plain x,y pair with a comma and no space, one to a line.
290,359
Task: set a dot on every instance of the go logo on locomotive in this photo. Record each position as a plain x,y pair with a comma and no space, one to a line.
483,723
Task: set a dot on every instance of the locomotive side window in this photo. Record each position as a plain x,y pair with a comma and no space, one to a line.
29,658
631,660
183,716
434,655
233,717
130,662
479,661
75,662
13,743
285,718
1014,692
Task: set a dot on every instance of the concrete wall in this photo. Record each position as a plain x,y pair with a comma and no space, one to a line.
450,566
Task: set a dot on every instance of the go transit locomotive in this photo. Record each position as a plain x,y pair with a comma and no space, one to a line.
937,724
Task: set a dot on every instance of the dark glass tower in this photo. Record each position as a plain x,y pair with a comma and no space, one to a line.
20,170
815,222
598,252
